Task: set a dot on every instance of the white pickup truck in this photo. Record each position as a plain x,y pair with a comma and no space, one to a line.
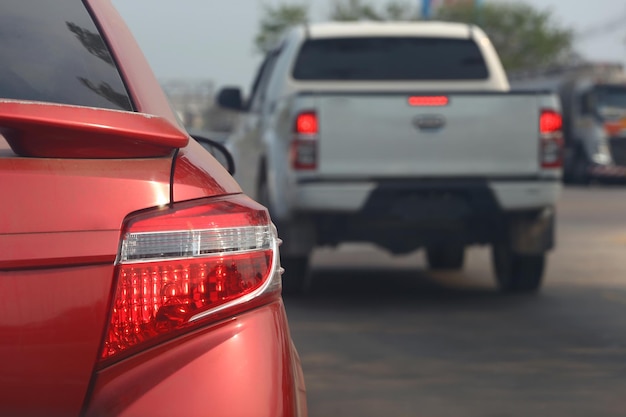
404,135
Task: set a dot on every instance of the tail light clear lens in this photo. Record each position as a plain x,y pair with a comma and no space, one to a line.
182,267
551,139
304,143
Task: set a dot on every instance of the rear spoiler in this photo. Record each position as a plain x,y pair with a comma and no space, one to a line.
48,130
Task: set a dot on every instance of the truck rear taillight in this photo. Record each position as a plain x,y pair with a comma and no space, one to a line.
551,139
304,143
183,267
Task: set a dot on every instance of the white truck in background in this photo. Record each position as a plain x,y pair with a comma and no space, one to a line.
404,135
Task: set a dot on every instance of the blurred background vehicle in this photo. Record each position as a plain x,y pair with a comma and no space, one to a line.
593,99
404,135
135,277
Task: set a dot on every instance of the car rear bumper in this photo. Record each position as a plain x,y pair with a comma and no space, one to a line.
245,366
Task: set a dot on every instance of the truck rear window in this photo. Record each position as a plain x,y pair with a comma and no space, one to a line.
52,51
389,59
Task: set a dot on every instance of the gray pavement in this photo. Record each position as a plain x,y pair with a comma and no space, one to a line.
383,336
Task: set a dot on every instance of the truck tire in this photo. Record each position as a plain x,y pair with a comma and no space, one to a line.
295,280
445,256
517,273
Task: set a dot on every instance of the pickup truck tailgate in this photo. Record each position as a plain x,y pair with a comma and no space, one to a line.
382,135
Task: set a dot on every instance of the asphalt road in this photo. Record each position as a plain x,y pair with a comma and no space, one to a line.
383,336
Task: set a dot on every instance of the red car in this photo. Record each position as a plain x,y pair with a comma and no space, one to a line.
135,277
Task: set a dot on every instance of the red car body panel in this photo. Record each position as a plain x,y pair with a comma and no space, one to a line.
60,229
197,175
61,195
50,336
235,368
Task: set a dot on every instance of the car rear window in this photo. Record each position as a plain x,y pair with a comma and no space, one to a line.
389,59
51,51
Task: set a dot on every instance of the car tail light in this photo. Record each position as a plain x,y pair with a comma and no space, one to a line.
551,139
304,143
188,265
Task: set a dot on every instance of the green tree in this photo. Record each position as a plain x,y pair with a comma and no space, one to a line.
523,36
348,10
275,20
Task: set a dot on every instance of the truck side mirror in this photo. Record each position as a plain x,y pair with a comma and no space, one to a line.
230,98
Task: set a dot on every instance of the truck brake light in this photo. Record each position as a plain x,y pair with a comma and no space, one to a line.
428,101
304,143
551,139
185,266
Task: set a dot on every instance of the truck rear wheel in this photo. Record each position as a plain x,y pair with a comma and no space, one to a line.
445,256
295,276
517,273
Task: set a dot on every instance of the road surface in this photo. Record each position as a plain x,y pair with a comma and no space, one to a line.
383,336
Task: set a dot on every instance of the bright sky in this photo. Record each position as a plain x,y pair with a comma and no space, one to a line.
213,39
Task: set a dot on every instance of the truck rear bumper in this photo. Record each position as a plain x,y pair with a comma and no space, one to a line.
333,196
403,215
348,197
512,195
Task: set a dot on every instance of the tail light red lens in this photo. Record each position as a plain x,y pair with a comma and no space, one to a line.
428,101
551,139
304,143
306,123
550,122
182,267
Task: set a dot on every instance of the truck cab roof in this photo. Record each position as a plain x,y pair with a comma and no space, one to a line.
364,46
370,28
